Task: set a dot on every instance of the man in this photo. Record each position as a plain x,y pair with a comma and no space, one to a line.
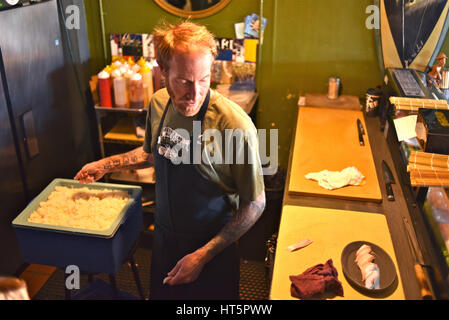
436,70
202,208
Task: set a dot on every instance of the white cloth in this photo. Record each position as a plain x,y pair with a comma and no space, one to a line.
337,179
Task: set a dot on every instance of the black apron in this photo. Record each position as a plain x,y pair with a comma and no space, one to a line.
190,211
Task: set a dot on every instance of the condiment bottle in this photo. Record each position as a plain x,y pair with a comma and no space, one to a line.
135,68
141,61
104,86
120,94
136,92
147,77
130,61
127,73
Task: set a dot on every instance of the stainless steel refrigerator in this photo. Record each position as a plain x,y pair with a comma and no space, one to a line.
47,129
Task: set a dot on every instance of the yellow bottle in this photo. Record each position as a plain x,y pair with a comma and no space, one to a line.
147,77
131,61
141,62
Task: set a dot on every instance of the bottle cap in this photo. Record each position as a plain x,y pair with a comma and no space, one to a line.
136,77
103,75
116,73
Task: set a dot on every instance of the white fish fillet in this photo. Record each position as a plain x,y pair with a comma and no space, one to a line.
363,248
370,271
372,280
337,179
301,244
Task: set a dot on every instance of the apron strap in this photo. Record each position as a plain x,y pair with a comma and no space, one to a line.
200,117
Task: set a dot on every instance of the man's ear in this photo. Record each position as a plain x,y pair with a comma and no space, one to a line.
163,69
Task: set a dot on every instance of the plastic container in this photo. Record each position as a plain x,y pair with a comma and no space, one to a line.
104,85
120,94
91,250
147,77
439,203
136,91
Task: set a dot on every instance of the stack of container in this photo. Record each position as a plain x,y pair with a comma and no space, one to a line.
126,84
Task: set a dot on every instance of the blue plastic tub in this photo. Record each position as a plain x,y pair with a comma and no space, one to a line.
90,250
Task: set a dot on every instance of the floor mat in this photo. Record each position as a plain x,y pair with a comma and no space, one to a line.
253,282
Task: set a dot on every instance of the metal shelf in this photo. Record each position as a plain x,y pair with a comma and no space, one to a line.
127,110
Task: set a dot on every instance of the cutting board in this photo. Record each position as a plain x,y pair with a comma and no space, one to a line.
342,102
330,230
328,139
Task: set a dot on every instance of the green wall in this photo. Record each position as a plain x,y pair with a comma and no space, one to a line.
305,42
141,16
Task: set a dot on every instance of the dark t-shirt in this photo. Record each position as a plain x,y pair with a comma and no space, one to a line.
230,146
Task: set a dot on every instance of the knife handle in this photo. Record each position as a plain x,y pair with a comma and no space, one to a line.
361,141
421,277
390,194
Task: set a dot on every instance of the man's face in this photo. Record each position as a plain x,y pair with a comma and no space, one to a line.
188,79
442,62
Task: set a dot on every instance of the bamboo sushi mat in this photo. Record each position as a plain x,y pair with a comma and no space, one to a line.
428,169
413,104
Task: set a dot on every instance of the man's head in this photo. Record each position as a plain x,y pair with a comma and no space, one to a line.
441,59
185,52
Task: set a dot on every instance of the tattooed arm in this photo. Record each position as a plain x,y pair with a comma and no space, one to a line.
189,267
134,159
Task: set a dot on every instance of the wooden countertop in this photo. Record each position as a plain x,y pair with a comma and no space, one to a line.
328,139
393,211
330,230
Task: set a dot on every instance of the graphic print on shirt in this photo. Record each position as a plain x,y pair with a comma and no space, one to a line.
171,143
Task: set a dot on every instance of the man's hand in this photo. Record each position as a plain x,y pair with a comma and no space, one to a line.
91,172
134,159
187,269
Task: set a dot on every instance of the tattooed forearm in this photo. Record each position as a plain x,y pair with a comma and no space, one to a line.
240,223
135,159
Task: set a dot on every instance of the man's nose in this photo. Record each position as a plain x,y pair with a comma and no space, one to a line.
194,90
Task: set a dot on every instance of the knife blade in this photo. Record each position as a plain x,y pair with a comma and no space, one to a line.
361,132
389,180
359,123
418,262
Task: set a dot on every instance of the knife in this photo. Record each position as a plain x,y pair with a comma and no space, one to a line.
389,180
419,263
361,131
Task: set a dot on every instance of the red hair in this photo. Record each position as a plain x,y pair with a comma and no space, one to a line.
185,34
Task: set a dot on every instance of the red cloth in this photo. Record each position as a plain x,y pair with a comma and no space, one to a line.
316,280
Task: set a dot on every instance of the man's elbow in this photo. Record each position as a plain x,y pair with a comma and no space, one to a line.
260,202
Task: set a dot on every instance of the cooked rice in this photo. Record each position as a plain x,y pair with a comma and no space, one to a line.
84,208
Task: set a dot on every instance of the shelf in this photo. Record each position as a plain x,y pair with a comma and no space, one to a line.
245,99
128,110
123,132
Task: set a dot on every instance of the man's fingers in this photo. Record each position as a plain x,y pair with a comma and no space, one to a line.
175,280
174,270
85,177
166,280
78,176
174,276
